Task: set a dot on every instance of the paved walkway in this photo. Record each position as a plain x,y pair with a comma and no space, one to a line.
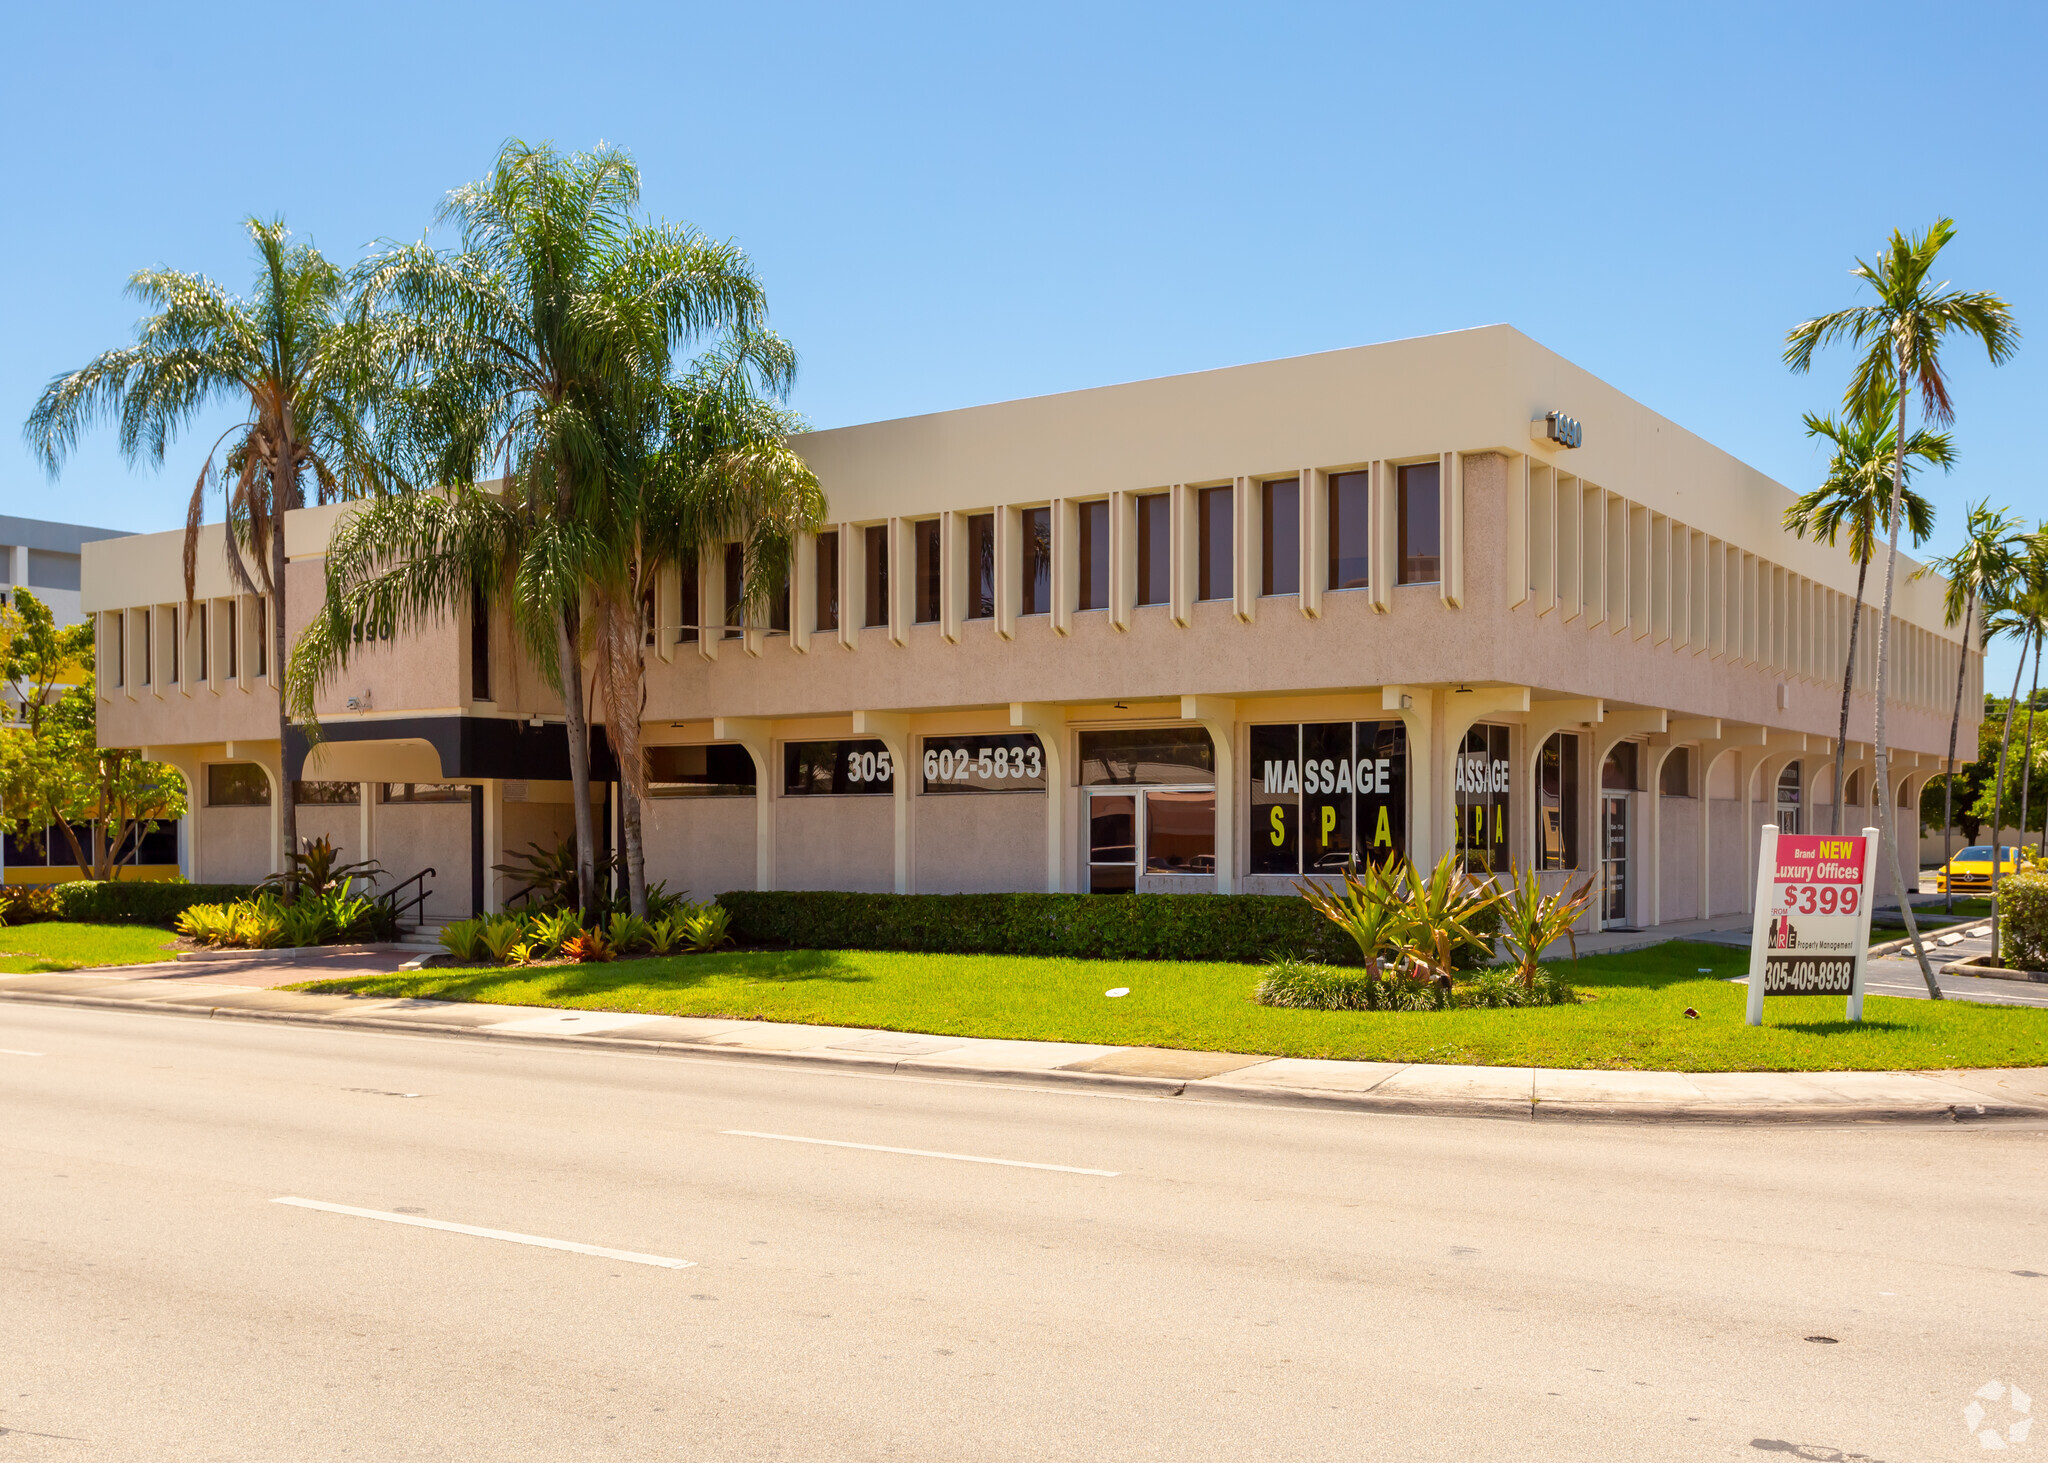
245,988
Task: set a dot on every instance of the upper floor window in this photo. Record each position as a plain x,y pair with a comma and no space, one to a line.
480,643
1036,598
925,537
735,590
693,603
121,647
234,639
877,586
1350,517
148,649
981,566
828,581
1155,548
1213,547
262,636
1280,536
1093,522
1421,526
203,624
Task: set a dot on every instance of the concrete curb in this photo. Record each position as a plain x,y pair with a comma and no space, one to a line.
1322,1099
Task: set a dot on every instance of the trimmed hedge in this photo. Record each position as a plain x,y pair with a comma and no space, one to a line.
114,901
1242,927
2023,922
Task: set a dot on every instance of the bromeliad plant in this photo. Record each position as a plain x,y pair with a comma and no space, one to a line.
1532,921
1443,916
1370,909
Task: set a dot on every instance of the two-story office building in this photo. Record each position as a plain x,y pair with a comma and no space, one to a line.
1215,632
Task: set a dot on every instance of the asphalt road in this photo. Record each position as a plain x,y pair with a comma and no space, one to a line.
1236,1282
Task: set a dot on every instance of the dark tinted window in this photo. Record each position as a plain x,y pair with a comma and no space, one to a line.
1165,754
1280,537
236,785
925,535
981,566
1214,577
1557,802
330,794
1093,521
828,581
721,770
1350,497
877,577
1421,507
854,766
1037,596
1155,548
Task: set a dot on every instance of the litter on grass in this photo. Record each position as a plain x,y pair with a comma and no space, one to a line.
1122,990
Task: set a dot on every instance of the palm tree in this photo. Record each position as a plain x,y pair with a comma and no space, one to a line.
1902,335
1975,573
278,356
507,359
2016,611
706,463
1852,496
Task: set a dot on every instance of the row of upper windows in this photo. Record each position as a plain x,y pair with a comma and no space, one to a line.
159,646
1346,564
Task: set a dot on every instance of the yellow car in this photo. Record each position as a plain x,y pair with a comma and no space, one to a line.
1970,870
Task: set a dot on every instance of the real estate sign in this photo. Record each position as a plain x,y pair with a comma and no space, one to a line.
1812,932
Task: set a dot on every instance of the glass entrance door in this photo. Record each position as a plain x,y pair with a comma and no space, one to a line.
1112,842
1613,862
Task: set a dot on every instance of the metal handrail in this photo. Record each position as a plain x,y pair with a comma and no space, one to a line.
390,896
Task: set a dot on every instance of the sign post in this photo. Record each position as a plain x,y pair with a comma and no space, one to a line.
1812,931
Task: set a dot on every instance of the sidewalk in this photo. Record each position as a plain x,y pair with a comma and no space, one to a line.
243,988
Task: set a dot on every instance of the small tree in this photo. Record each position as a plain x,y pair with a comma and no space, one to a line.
53,772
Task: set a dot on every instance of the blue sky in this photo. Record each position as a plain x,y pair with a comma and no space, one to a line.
955,204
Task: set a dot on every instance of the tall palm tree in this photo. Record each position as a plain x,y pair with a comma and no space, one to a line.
281,358
1975,573
1903,334
2013,614
707,463
505,360
1853,496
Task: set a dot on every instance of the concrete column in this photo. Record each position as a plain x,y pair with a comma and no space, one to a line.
894,730
366,820
1218,717
494,844
755,735
1049,723
1416,706
1653,769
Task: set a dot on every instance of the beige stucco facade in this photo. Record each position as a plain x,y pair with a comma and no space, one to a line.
1636,589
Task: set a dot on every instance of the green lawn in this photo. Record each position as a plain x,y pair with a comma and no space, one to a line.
1635,1019
62,945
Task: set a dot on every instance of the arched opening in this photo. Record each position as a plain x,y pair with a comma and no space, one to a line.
1788,799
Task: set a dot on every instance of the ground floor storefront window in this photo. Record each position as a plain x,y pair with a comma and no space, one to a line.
1151,805
1327,794
1479,784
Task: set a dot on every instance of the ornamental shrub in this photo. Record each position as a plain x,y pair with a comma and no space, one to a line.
2023,922
1250,928
138,901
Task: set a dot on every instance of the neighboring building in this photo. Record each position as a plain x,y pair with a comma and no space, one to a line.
45,557
1212,632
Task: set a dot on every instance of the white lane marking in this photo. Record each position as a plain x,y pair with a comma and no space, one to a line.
504,1234
1101,1173
8,1051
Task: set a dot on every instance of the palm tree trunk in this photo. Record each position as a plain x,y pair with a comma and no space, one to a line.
288,813
1848,679
1948,783
1998,785
1888,823
636,856
577,726
2027,750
